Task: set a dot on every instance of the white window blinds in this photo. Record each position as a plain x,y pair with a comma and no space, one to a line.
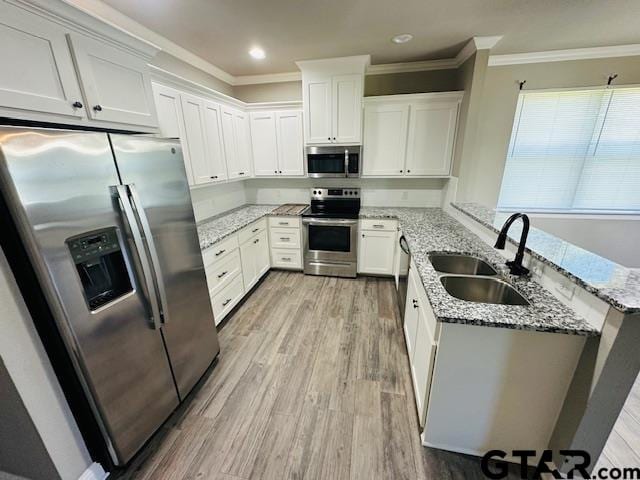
574,150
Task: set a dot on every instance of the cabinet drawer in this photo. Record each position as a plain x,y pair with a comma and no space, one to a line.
284,237
286,258
290,222
219,274
227,298
219,250
378,224
251,230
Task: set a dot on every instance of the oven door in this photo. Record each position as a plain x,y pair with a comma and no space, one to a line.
330,246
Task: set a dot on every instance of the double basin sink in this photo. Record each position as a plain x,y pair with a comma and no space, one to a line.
474,280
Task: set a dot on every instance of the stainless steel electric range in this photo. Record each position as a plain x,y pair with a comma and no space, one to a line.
331,232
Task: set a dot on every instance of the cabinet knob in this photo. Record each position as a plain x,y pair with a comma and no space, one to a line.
408,171
400,171
415,303
279,171
77,105
334,139
329,138
275,171
97,108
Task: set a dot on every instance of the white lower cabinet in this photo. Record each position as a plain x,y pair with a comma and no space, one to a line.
286,242
419,329
255,259
234,265
376,247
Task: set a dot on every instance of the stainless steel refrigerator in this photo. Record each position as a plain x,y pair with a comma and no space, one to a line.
109,227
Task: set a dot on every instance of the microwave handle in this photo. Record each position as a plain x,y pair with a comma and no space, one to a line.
346,162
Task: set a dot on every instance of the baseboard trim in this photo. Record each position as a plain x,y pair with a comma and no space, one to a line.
94,472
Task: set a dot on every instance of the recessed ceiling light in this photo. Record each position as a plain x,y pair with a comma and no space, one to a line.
257,53
402,38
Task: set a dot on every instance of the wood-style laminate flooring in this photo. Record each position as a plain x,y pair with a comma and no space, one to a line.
312,383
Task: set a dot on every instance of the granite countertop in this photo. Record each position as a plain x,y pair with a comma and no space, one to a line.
431,230
617,285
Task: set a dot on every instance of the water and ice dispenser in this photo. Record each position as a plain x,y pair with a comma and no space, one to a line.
101,266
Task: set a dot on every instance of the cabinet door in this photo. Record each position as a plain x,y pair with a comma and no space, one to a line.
264,144
171,120
423,359
411,315
317,102
347,108
213,136
229,140
37,72
290,144
115,84
248,258
193,111
376,252
432,129
243,143
385,139
262,256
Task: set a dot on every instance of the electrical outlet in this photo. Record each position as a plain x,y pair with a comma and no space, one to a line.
536,269
405,195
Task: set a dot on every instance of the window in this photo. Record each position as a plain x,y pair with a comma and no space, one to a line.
574,151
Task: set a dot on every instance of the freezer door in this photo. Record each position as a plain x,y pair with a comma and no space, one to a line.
153,171
59,187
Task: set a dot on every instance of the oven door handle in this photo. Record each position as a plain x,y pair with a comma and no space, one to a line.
329,221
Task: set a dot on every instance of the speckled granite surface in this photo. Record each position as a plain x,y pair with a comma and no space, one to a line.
617,285
431,230
214,229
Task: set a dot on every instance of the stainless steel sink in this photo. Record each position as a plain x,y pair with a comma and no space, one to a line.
461,264
482,290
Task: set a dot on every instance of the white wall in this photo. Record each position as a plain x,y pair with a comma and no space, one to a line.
616,238
214,199
31,372
374,192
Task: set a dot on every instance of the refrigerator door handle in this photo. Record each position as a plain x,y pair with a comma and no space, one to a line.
147,274
153,252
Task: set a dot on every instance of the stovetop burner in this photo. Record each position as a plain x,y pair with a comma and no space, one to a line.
334,203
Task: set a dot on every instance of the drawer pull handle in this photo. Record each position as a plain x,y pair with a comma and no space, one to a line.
283,223
256,240
286,259
377,225
240,173
226,302
255,230
213,177
220,253
285,239
223,274
415,303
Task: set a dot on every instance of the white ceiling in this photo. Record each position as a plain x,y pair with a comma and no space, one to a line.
222,31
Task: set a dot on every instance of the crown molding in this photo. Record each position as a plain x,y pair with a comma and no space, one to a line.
403,67
77,19
565,55
267,78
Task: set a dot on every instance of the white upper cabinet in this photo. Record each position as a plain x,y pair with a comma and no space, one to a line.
243,142
37,73
347,108
215,145
115,84
276,138
317,102
264,143
410,135
237,142
432,130
171,120
385,139
194,111
332,92
290,143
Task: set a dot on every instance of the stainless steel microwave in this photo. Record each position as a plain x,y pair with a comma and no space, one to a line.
333,161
